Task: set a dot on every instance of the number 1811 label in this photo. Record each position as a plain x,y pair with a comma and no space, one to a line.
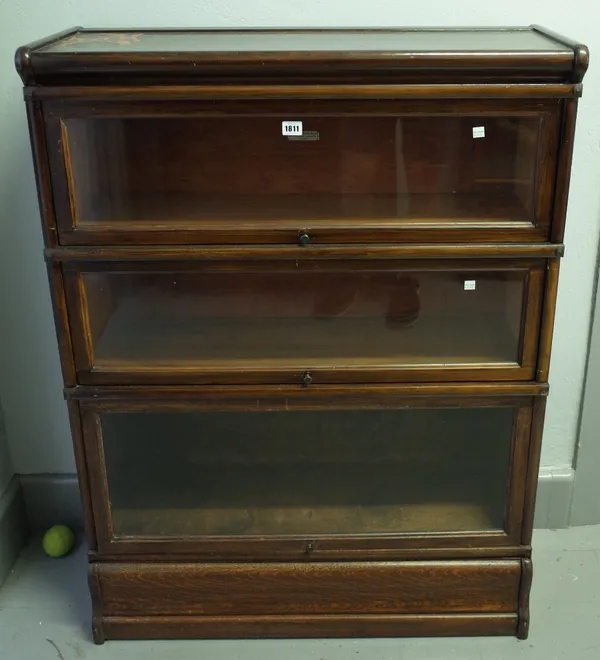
291,128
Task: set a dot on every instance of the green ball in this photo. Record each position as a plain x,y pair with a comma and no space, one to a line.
58,541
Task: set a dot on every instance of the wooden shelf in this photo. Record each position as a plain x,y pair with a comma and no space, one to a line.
169,210
311,499
301,520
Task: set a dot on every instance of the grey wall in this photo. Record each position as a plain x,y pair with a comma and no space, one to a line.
30,383
13,518
585,508
6,469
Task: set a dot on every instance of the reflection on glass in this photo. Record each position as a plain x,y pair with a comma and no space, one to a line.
206,41
308,472
295,319
195,172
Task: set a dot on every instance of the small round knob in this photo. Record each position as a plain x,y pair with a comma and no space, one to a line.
303,239
307,379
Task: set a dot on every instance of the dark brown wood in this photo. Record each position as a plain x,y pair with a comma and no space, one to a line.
547,321
65,109
582,54
533,468
116,363
98,631
563,178
524,589
321,375
532,307
97,398
204,211
548,152
433,55
61,324
327,553
57,156
489,587
37,136
352,232
376,548
81,350
213,260
23,62
90,425
82,474
519,460
295,626
421,91
263,253
366,485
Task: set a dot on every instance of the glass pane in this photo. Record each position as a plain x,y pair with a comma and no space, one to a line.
309,472
203,172
486,39
301,319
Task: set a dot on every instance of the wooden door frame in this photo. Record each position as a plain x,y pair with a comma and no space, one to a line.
513,541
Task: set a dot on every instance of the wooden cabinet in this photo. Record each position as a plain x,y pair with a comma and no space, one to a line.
304,287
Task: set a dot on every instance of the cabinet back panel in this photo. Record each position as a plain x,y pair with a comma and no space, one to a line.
309,472
197,170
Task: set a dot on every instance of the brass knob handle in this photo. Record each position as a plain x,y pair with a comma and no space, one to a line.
303,239
307,379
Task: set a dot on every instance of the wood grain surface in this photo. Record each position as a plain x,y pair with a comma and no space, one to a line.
298,626
337,588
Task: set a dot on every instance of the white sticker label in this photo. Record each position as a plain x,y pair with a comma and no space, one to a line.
291,128
478,131
469,285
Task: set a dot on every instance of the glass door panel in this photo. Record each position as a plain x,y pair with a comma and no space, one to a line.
240,173
307,472
285,319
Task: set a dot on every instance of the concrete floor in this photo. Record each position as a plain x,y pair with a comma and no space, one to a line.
45,615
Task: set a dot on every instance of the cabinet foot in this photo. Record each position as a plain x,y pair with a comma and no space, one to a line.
524,589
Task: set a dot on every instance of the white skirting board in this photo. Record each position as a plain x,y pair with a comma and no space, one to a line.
554,495
14,529
54,499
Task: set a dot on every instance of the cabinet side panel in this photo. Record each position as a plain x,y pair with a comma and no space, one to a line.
96,594
82,474
61,323
37,136
533,466
547,322
563,174
524,590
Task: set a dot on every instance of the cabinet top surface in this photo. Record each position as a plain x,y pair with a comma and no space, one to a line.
400,55
326,40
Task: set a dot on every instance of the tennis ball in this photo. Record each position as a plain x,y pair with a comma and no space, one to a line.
58,541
